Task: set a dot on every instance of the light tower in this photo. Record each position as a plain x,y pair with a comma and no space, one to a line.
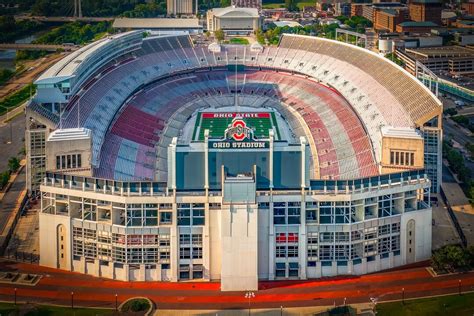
77,9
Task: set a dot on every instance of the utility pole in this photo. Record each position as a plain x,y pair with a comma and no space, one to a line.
80,7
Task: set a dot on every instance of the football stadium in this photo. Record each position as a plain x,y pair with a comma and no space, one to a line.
160,160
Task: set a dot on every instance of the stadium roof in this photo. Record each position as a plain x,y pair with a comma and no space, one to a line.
156,23
66,67
233,12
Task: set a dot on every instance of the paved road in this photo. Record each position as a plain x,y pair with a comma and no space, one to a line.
56,287
33,71
450,128
17,133
47,47
7,205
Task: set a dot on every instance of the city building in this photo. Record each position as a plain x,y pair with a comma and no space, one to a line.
175,162
456,60
468,7
257,4
161,26
181,7
388,19
342,8
365,10
426,10
233,20
387,44
415,27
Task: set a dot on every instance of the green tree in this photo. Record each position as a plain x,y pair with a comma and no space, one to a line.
291,5
13,164
219,35
224,3
260,36
4,177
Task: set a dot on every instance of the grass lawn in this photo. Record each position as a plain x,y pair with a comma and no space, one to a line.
273,5
40,310
238,40
299,4
444,305
302,4
16,99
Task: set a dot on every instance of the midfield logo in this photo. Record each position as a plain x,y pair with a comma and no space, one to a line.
238,135
238,130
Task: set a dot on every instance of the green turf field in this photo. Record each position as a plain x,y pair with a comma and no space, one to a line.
442,305
39,310
217,126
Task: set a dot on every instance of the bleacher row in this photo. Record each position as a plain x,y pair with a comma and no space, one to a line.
373,97
141,126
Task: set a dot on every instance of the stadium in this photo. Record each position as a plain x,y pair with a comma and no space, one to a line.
160,160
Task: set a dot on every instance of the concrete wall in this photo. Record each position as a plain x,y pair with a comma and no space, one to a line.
403,145
239,237
48,228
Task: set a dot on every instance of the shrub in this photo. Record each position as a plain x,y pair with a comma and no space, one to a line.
13,164
136,305
4,177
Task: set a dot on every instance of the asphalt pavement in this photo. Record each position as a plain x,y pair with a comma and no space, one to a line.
55,287
14,132
8,203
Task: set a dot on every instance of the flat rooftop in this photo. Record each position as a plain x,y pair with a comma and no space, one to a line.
442,52
69,134
156,23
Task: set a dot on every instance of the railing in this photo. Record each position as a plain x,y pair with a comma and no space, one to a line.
150,188
22,256
369,183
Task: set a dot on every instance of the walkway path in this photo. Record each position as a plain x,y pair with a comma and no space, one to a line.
56,287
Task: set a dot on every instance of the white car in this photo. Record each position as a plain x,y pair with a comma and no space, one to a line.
459,103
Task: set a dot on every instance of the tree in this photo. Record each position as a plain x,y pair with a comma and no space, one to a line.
260,36
4,177
455,257
219,34
224,3
291,5
13,164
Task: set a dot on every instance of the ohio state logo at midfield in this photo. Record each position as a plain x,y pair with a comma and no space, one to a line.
238,130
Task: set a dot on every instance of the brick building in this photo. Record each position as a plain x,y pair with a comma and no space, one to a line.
425,10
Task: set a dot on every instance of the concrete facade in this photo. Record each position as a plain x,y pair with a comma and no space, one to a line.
312,233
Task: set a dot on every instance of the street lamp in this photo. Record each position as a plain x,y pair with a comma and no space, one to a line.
281,310
403,295
459,286
249,295
345,298
116,302
374,302
72,300
15,296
